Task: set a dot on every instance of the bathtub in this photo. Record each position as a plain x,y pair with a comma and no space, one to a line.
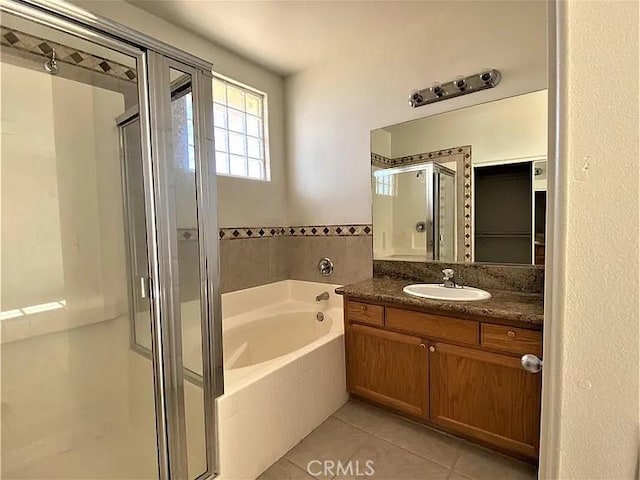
284,372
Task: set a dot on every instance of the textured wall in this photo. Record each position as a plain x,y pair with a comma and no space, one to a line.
591,368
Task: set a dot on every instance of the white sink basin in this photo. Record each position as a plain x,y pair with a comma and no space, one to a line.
435,291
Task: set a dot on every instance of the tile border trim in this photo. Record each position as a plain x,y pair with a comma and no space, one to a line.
349,230
25,42
465,151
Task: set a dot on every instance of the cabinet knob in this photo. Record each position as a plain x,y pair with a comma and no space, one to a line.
363,308
511,333
432,349
531,363
422,345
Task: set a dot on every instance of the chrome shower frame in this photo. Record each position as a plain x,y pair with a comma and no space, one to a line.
151,57
432,185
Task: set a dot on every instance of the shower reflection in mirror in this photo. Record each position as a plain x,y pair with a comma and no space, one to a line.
463,186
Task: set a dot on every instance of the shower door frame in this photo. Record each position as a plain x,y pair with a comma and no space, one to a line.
165,328
435,205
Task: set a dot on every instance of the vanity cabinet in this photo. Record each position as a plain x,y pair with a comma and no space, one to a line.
389,368
461,375
485,395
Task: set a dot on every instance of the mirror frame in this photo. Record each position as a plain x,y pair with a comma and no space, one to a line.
464,180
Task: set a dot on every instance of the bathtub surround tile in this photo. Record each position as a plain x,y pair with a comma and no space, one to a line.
278,264
359,261
306,252
246,263
351,257
261,421
189,270
253,256
519,278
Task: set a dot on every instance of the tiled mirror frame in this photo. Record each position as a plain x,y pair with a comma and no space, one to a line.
463,154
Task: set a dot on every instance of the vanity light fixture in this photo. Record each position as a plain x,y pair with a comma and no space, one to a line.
455,88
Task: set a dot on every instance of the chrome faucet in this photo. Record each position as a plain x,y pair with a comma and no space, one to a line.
447,280
322,296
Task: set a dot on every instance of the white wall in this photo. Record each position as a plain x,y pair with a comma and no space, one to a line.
331,108
29,178
511,128
59,201
591,340
381,142
238,198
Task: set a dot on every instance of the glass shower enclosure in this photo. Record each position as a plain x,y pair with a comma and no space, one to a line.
109,241
414,213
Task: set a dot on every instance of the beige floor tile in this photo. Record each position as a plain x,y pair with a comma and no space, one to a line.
418,439
283,469
334,440
361,415
479,464
457,476
389,462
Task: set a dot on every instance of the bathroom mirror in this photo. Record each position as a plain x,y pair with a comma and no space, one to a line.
467,185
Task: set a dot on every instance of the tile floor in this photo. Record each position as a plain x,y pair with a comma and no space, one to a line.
400,449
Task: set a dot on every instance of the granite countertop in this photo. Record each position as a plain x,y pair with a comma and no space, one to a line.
504,306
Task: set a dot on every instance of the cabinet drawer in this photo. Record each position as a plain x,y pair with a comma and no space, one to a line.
510,339
365,313
433,326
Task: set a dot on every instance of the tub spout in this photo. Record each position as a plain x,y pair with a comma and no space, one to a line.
322,296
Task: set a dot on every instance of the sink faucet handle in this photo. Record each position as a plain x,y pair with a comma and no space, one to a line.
448,273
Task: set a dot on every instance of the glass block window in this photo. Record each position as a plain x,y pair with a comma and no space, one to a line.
239,121
191,147
386,185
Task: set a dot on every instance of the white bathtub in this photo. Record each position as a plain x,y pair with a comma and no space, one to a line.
284,372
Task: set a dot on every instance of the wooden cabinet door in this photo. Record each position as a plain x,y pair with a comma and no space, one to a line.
486,396
388,368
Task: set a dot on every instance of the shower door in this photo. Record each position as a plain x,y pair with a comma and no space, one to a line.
414,210
185,177
76,403
445,211
79,266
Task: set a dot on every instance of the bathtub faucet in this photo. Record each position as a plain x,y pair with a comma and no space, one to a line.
322,296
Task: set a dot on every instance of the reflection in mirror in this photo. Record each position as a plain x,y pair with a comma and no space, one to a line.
463,186
414,207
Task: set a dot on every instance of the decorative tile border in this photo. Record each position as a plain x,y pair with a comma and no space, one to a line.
385,162
466,151
187,234
330,230
296,231
42,47
464,166
380,161
234,233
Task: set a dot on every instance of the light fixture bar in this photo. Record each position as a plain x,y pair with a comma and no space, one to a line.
455,88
